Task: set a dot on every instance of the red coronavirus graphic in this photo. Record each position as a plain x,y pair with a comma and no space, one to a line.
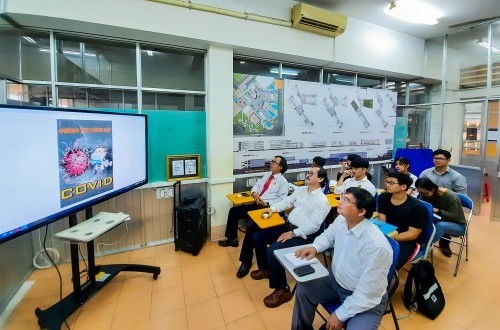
75,161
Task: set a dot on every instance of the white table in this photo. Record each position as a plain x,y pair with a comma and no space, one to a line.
319,269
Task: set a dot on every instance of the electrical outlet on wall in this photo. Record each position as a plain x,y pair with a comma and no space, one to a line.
164,192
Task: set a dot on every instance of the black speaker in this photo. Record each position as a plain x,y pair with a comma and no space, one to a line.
191,225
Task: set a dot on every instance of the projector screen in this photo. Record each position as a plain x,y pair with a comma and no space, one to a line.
58,161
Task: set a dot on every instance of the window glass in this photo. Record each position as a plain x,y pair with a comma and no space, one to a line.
370,82
338,78
96,62
298,73
173,101
268,69
400,88
35,56
420,93
9,53
76,97
171,69
34,95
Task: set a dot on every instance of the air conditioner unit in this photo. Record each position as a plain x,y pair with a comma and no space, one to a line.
317,20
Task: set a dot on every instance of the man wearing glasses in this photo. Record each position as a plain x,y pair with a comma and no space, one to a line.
442,175
310,207
397,208
358,276
270,189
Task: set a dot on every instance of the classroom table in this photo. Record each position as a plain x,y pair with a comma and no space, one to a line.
274,220
240,199
319,269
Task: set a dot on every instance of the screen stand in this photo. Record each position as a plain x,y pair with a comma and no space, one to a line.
53,317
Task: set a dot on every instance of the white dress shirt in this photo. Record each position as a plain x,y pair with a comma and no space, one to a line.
309,210
352,182
278,189
361,261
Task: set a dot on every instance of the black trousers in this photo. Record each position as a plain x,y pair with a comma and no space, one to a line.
233,217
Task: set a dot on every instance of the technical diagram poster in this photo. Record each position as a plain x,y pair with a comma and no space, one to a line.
85,159
330,121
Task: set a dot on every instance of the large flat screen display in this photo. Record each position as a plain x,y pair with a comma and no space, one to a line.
56,162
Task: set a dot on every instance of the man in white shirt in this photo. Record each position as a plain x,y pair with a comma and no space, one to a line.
358,169
270,189
360,266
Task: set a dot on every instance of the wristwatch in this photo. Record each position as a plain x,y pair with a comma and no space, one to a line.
293,234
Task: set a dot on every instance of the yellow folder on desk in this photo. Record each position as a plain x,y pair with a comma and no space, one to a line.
274,220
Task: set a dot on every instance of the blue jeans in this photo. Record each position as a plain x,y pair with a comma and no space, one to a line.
450,228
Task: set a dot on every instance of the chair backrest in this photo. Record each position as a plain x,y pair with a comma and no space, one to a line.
395,256
428,232
467,204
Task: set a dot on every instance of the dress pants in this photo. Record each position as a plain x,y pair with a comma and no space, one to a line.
325,290
258,239
233,217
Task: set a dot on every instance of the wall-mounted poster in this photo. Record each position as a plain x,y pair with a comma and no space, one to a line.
308,119
183,167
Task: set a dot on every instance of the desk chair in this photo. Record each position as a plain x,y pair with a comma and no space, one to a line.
427,235
393,282
467,205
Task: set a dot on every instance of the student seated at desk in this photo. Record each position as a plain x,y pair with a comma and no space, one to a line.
448,207
358,278
344,166
270,189
397,208
320,162
310,207
358,169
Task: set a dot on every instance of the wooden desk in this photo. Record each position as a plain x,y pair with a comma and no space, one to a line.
332,199
299,183
274,220
319,269
238,199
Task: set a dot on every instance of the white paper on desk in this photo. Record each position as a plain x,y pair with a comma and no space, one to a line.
299,262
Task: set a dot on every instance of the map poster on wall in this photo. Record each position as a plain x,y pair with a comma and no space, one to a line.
330,121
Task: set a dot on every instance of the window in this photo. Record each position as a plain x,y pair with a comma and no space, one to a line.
298,73
35,56
370,82
170,69
173,101
268,69
77,97
338,78
34,95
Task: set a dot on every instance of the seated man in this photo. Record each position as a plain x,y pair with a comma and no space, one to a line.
448,207
358,169
360,266
442,175
270,189
397,208
344,166
310,208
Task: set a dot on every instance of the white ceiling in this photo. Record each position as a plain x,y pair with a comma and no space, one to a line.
372,11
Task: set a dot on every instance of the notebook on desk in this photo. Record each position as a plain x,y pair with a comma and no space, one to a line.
299,262
387,229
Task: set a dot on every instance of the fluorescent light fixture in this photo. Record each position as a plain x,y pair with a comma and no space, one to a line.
242,62
29,39
69,52
414,11
150,52
485,44
285,72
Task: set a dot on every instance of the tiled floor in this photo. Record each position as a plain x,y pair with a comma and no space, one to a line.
203,292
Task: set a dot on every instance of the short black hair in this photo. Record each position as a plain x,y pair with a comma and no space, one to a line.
426,183
404,161
319,161
322,174
443,152
351,157
364,200
283,164
402,179
360,162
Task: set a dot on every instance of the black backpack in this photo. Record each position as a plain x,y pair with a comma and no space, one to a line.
422,290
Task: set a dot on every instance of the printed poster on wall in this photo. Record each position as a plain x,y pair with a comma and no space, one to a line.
301,120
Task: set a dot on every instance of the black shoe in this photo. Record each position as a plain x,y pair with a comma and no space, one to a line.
444,245
243,271
229,242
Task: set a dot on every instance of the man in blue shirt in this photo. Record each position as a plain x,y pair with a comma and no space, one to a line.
442,175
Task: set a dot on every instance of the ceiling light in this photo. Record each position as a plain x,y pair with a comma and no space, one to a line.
242,62
414,11
150,52
285,72
485,44
29,39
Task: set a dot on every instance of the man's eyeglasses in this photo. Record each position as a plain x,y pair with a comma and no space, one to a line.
274,162
391,183
344,199
439,158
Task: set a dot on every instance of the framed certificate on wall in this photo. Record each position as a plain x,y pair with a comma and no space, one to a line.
183,167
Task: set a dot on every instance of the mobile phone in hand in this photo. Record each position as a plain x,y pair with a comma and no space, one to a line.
303,270
245,194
